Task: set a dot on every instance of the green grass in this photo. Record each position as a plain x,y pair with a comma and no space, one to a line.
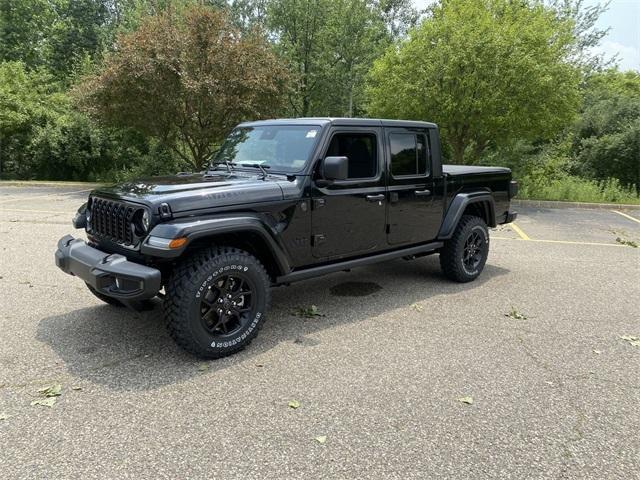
575,189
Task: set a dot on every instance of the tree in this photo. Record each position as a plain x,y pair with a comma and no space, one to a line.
55,34
488,72
28,101
607,135
330,45
24,29
186,79
584,18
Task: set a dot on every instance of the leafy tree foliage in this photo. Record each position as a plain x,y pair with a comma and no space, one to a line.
584,18
489,72
186,79
607,135
330,45
55,34
42,136
499,76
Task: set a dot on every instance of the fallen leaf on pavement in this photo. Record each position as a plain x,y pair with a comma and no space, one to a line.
54,390
515,314
3,416
308,312
467,400
321,439
203,367
76,388
294,404
416,307
633,340
597,352
45,402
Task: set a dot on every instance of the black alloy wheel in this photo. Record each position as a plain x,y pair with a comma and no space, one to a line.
227,305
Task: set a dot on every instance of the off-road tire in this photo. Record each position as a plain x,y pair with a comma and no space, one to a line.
110,300
452,256
193,280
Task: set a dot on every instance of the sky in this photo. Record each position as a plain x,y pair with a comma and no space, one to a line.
623,40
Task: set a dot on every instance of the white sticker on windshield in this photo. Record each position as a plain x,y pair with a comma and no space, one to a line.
312,133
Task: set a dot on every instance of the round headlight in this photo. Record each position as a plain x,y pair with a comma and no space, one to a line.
146,220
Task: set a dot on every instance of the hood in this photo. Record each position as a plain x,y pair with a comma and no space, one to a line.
198,191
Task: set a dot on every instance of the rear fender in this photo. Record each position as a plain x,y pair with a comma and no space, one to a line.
457,207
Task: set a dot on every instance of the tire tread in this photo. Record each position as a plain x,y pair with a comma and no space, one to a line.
182,283
449,254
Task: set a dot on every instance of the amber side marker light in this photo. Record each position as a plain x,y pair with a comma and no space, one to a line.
178,242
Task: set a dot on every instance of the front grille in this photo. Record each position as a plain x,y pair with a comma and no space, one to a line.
112,220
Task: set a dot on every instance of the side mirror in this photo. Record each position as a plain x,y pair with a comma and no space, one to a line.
335,168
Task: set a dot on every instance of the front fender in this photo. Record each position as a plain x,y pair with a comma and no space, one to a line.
193,229
457,207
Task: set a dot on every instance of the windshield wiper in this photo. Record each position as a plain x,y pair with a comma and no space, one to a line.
226,163
261,166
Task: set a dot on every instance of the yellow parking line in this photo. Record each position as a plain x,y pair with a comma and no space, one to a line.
519,231
626,216
565,242
44,196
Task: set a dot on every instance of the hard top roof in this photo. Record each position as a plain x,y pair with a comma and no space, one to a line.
352,122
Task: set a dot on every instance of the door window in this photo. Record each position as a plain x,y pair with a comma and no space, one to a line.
360,149
408,154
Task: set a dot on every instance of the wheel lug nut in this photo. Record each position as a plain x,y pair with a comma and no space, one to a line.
228,312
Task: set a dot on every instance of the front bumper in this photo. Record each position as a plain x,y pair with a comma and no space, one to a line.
110,274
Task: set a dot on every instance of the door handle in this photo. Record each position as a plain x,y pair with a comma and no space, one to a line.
375,198
422,193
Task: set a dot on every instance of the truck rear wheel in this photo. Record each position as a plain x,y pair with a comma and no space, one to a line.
216,301
464,255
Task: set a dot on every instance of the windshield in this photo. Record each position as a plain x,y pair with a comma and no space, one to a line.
282,148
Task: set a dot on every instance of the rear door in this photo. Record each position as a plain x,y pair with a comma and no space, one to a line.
412,214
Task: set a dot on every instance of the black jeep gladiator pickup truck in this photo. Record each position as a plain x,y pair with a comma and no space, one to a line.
282,201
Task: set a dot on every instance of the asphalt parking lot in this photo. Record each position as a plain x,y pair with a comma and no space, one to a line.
555,391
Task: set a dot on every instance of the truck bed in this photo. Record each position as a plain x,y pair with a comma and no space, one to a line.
472,170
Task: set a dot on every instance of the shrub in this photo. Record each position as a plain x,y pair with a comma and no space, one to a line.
576,189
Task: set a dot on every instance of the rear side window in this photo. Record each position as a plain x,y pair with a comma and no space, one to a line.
408,154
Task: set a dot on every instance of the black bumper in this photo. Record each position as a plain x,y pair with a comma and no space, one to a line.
110,274
510,217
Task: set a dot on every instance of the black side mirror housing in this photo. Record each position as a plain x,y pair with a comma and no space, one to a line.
335,168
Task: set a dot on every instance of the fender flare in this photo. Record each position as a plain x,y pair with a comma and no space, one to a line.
194,229
457,207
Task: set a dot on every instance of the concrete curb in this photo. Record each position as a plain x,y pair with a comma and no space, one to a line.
46,183
558,204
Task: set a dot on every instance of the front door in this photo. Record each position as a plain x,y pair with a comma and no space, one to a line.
413,217
348,216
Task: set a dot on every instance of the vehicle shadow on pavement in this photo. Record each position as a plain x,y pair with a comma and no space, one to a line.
126,350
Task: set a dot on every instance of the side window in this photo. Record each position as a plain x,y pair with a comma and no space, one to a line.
360,149
408,154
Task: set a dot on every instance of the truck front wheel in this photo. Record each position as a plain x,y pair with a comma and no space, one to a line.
464,255
216,301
